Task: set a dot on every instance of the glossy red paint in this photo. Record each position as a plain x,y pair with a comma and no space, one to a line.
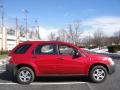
57,63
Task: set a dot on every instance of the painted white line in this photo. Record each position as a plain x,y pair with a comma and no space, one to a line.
8,83
37,83
2,70
57,83
90,86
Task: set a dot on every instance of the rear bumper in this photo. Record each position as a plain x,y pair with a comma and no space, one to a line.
11,68
111,69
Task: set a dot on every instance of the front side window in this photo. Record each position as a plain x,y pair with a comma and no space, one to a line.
66,50
45,49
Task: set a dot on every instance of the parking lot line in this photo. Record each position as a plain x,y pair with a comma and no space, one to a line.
2,70
57,83
89,86
7,83
37,83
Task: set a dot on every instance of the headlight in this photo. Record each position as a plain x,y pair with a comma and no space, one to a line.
111,61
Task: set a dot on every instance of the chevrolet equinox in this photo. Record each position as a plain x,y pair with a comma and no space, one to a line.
31,59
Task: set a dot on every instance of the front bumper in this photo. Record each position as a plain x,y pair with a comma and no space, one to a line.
11,68
111,69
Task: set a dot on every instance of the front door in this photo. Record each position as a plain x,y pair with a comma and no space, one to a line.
68,64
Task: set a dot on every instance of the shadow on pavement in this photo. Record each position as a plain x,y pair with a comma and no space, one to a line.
62,79
6,76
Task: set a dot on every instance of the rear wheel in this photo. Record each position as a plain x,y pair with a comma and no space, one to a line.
25,75
98,74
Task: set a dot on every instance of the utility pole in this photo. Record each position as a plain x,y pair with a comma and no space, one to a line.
17,32
25,11
37,29
16,23
89,39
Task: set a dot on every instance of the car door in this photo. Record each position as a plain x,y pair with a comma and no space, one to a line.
68,64
45,58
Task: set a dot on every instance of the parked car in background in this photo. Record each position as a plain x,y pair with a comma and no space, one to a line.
38,58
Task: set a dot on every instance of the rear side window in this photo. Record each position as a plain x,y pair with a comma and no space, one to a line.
45,49
22,49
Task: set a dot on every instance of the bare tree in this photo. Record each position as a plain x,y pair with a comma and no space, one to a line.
116,37
74,32
62,34
77,32
87,41
99,38
52,36
70,34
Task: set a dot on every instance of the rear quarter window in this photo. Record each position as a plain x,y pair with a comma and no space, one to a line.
22,49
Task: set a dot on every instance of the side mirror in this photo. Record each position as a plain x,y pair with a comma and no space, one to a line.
76,54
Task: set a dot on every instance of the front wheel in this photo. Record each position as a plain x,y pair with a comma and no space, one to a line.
98,74
25,75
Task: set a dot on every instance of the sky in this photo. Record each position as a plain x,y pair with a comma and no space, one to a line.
56,14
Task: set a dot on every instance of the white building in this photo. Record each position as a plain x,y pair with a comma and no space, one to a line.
9,38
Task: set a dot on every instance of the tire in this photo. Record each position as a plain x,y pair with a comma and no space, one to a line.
25,75
98,74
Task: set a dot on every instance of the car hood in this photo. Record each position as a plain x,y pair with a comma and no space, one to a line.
98,56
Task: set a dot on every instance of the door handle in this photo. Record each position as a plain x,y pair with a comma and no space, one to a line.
34,57
60,58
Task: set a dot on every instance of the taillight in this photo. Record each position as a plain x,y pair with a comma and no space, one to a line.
7,61
9,53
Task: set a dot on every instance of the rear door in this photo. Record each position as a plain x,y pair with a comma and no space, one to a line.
45,58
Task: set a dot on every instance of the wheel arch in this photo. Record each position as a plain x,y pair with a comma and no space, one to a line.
101,64
25,65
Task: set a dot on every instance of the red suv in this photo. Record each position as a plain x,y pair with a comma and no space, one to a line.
37,58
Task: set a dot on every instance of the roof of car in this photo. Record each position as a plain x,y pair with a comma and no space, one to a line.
57,42
52,42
